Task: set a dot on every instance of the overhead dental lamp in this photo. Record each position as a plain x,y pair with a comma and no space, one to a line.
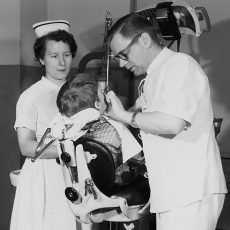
176,18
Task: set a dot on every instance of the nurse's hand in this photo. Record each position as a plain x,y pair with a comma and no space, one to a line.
115,109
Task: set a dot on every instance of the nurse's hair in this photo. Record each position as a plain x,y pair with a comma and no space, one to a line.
132,24
58,35
76,95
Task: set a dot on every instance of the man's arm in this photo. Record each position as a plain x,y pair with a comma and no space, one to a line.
152,122
156,122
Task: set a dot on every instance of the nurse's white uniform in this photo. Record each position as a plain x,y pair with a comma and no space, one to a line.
40,202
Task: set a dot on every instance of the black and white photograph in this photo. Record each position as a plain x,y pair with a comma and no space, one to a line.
115,115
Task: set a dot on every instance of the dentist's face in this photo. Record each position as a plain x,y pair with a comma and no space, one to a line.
128,52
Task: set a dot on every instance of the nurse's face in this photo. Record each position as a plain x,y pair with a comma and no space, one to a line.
57,61
132,50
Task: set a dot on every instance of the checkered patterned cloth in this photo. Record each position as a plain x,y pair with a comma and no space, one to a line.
104,132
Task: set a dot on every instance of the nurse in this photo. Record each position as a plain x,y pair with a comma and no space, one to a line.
40,203
175,117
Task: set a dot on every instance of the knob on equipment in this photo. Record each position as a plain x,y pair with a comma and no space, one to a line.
72,194
66,158
58,160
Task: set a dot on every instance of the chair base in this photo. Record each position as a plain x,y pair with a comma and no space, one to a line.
146,223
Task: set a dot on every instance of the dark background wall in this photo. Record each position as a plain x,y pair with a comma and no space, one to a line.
9,156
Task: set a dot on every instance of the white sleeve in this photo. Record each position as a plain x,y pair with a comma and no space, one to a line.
182,88
26,113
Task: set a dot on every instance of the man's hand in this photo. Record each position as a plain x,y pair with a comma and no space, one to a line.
115,108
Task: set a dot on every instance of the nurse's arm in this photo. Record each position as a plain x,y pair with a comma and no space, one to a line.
28,144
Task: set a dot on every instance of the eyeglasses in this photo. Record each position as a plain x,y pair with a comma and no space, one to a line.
123,53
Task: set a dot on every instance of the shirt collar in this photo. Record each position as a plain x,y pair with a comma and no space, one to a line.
49,83
161,57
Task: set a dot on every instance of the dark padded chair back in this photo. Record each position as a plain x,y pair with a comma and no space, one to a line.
102,168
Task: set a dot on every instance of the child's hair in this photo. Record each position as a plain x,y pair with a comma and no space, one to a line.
78,93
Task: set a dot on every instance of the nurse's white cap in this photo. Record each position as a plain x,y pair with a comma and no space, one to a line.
43,28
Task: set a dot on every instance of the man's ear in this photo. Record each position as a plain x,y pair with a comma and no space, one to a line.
146,39
97,105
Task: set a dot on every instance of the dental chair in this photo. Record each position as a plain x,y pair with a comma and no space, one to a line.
92,195
89,173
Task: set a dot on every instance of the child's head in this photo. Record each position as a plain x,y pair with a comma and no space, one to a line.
79,93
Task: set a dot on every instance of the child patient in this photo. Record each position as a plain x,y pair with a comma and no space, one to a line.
81,99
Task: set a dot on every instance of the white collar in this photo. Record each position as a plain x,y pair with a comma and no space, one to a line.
161,57
49,83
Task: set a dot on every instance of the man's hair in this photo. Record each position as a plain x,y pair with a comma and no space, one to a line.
76,95
132,24
58,35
